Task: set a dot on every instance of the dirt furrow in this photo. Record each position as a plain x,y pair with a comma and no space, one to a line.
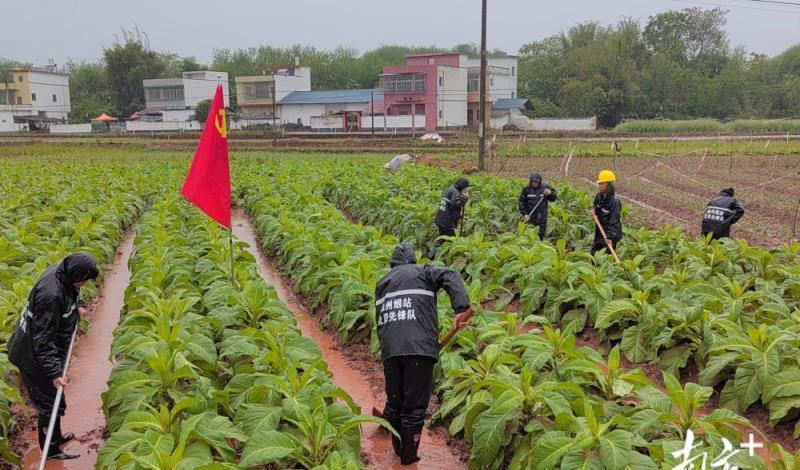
376,444
88,372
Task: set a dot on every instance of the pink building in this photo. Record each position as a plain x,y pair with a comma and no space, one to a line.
431,89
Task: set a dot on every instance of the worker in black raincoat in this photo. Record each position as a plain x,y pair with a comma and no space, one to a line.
723,211
39,344
451,211
608,209
408,330
533,202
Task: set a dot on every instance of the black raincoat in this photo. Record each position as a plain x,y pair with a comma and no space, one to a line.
608,208
39,344
723,211
530,197
405,305
452,204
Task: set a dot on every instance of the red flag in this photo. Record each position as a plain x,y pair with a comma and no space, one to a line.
208,184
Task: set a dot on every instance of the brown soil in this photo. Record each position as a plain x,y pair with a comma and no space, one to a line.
353,368
88,373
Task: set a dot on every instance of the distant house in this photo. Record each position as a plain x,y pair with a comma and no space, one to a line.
328,110
501,78
257,94
430,89
34,98
175,99
435,91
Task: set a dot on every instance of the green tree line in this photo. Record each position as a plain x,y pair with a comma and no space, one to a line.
677,65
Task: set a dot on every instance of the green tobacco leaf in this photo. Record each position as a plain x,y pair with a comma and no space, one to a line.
612,312
267,447
615,448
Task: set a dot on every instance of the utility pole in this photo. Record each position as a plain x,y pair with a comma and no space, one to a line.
482,104
372,114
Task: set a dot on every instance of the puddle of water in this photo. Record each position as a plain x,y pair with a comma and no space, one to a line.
375,443
89,371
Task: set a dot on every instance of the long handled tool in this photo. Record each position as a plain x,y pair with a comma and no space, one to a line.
458,325
463,214
536,206
603,232
57,403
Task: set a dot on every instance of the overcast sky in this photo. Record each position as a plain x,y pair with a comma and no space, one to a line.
59,29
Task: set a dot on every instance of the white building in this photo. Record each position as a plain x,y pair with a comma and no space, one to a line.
502,75
329,110
33,98
176,98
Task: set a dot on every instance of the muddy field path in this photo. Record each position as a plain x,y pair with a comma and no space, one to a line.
375,443
89,371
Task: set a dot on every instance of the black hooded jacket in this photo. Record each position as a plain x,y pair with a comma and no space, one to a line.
608,208
530,197
723,211
39,343
453,202
405,305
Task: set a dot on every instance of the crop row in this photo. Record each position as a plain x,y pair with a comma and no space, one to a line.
522,399
49,214
212,375
726,307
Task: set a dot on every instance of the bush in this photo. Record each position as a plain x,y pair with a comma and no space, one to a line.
670,127
765,126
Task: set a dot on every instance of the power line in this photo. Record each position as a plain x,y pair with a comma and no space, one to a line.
774,2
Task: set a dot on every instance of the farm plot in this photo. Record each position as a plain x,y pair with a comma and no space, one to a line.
491,391
674,190
215,376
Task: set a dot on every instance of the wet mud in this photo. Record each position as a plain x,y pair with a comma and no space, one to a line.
88,373
375,443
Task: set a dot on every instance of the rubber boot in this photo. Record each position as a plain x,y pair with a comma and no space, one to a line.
58,436
54,451
396,443
411,436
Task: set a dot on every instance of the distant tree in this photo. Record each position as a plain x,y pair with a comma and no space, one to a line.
202,110
686,35
89,90
129,61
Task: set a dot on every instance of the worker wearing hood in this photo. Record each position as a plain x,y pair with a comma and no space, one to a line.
408,330
41,339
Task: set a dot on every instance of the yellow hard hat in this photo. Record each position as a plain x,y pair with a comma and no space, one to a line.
606,176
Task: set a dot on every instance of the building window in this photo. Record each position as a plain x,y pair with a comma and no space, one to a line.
513,71
491,81
19,100
431,61
441,80
513,95
33,96
262,90
473,81
19,78
404,83
172,94
441,114
55,98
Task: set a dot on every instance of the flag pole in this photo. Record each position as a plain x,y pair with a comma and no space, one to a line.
233,270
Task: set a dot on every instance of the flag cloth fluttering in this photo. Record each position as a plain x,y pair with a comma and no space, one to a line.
208,184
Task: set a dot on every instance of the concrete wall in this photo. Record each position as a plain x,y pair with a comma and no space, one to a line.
333,122
45,85
170,115
289,113
6,121
524,123
70,128
142,126
451,97
195,91
393,122
285,84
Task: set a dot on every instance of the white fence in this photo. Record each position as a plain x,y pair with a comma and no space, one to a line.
526,124
144,126
70,128
393,122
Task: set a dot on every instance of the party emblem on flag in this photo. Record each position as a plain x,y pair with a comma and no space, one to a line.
208,184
